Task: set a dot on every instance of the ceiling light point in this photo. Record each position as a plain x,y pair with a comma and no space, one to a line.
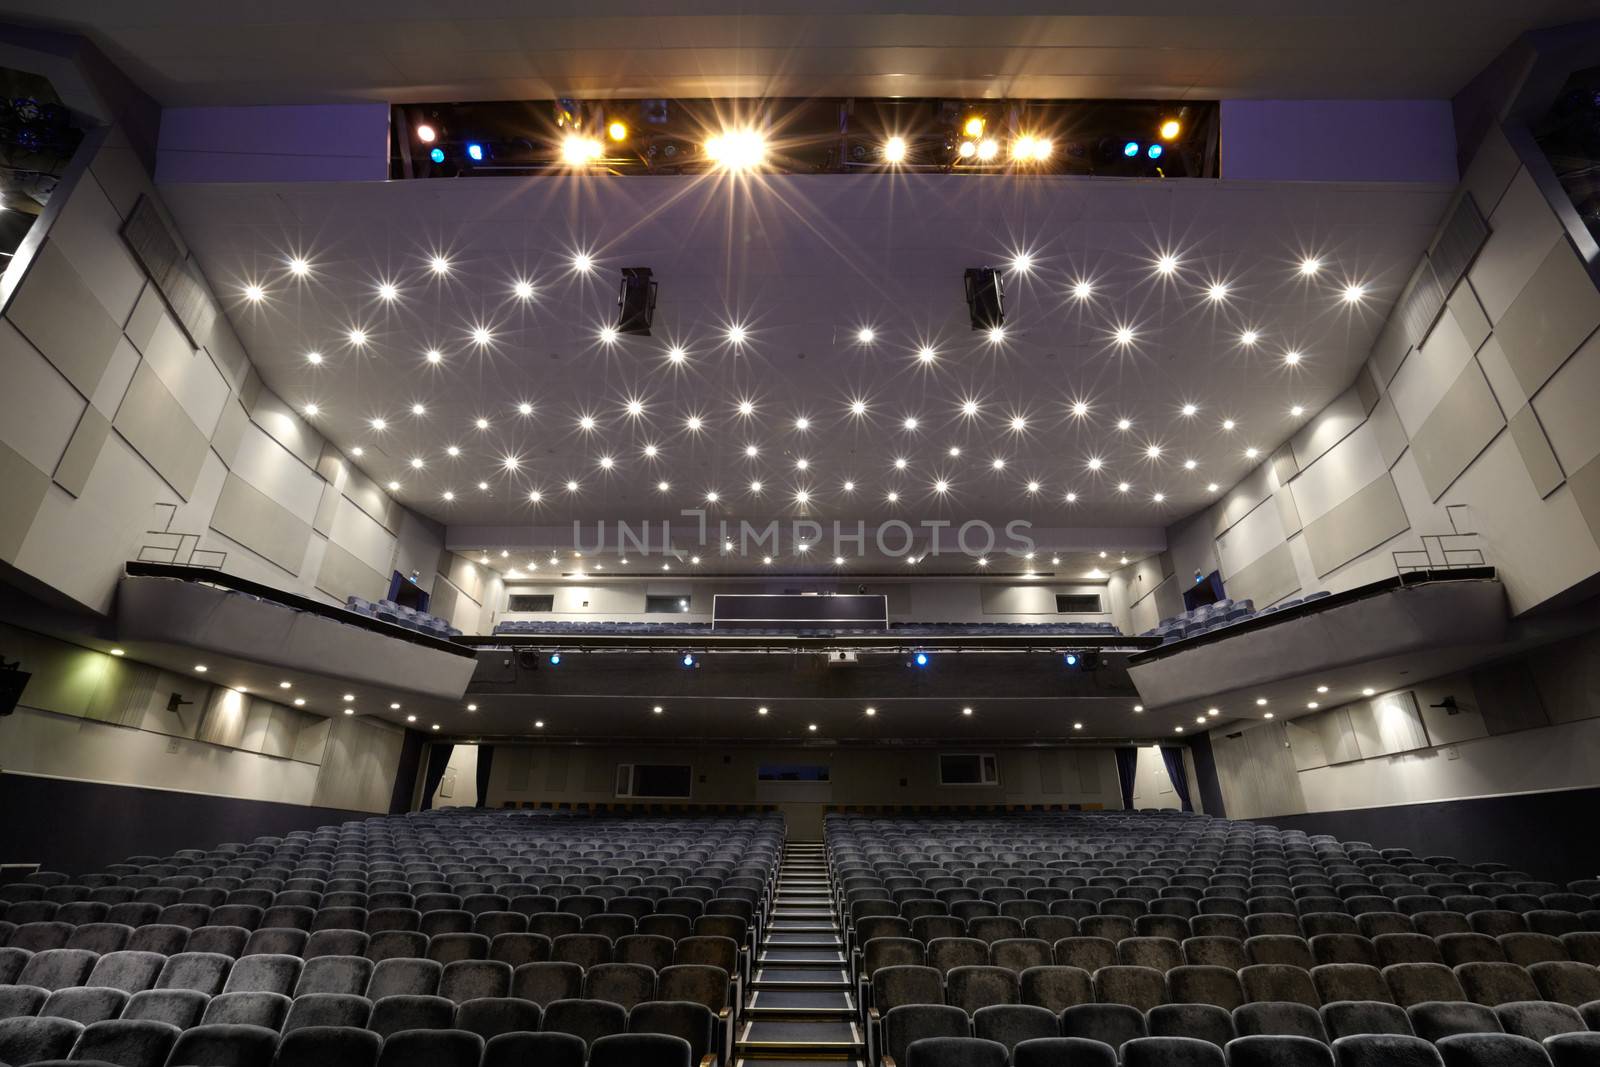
1310,265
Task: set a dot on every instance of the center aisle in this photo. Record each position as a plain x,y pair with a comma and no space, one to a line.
801,1008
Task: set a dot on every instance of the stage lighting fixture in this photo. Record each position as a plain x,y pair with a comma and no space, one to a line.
436,154
737,149
617,131
1154,151
688,662
475,152
426,134
1071,660
988,148
1170,129
894,150
577,150
637,301
555,659
974,126
967,150
985,298
1130,149
920,659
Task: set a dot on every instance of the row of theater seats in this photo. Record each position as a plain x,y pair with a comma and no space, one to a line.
486,925
400,615
1357,1050
1203,929
1223,613
146,1043
897,629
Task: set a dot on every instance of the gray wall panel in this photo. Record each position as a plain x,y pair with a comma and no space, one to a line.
1267,580
72,473
1243,498
1388,431
322,522
26,487
342,575
230,431
1537,455
1330,426
56,310
1389,351
1491,170
1283,463
1522,230
1461,426
1363,522
155,424
1550,318
248,516
1468,313
1585,485
1288,514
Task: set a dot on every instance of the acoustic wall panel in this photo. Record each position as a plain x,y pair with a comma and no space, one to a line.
286,426
1502,379
1242,499
1463,423
1387,432
1283,463
188,373
230,431
361,535
1250,539
56,310
107,396
1491,170
38,408
72,473
1550,317
1464,308
1521,231
1536,453
1267,580
259,523
1428,372
1288,514
1363,522
1389,350
265,464
86,232
342,574
1567,407
1585,485
1350,465
158,428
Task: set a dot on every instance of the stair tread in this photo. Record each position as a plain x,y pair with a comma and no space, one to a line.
780,954
802,1000
803,1033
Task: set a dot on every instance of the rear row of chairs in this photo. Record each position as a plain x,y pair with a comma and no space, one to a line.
57,1042
1363,1050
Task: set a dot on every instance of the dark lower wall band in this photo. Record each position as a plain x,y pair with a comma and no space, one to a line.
82,826
1544,834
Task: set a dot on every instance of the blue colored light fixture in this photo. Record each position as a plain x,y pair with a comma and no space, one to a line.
555,659
475,152
920,659
1130,149
687,661
1154,151
1072,660
436,154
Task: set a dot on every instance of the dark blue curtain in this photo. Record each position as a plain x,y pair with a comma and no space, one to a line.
1127,768
485,764
1173,758
438,760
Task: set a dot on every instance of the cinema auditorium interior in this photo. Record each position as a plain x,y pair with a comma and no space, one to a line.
745,534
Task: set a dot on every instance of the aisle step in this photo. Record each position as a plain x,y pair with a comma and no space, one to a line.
802,1003
785,955
823,937
801,977
792,1036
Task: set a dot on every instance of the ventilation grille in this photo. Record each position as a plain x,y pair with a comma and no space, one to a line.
178,279
1464,232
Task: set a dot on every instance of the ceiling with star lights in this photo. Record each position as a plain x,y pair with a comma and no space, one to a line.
811,353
